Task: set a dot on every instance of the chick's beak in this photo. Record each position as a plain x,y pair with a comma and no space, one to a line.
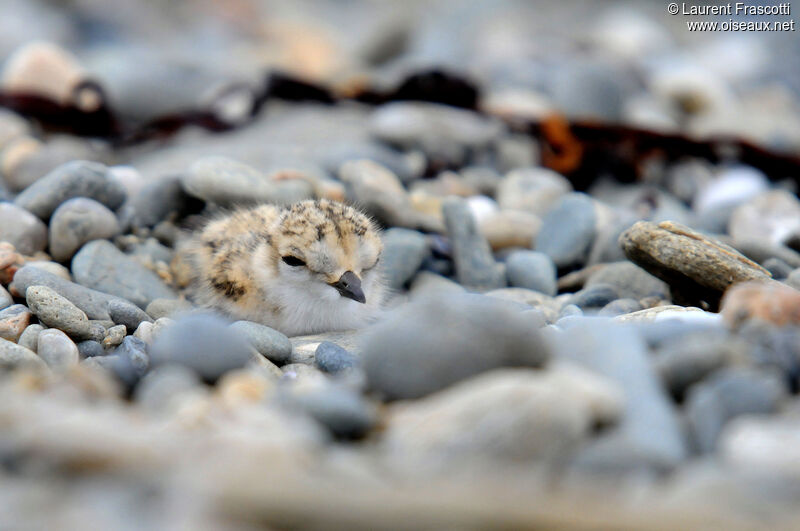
349,285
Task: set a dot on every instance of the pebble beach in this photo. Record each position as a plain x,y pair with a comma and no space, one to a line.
591,233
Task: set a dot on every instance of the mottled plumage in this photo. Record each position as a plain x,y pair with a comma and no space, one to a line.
306,268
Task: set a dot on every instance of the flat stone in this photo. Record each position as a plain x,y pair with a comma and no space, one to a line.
403,253
22,229
76,222
73,179
270,343
13,321
568,230
100,265
596,296
696,268
93,303
54,310
57,350
474,263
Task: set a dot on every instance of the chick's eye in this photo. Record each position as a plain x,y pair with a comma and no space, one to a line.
293,261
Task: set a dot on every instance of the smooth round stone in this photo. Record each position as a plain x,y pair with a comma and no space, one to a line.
620,307
22,229
531,270
163,384
30,337
154,203
90,349
76,222
202,342
126,313
728,394
73,179
344,412
270,343
533,190
54,310
51,154
630,281
770,302
510,228
13,356
731,187
331,358
134,350
407,355
227,182
6,299
57,350
43,69
168,307
595,296
474,263
100,265
777,267
51,267
403,253
570,310
13,321
114,336
568,230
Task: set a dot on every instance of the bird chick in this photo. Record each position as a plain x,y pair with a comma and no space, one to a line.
306,268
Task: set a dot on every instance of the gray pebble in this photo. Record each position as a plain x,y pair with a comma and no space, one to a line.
344,412
570,310
162,384
154,203
777,267
100,265
93,303
126,313
114,336
167,307
270,343
427,345
730,393
76,222
22,229
331,358
6,299
531,270
595,296
475,265
90,349
403,253
227,182
202,342
620,307
73,179
568,230
54,310
630,281
13,356
57,350
30,337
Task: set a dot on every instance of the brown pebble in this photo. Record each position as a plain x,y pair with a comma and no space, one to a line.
770,301
13,321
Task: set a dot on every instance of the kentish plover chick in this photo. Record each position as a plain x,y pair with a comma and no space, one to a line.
305,268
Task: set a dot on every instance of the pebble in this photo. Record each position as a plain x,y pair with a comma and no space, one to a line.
162,385
6,299
793,279
94,303
100,265
135,351
304,347
154,203
114,336
533,190
57,350
331,358
696,268
594,297
730,188
344,412
729,393
43,69
380,193
772,302
649,433
73,179
629,280
426,283
90,349
777,268
568,230
474,263
51,267
203,343
510,228
30,337
168,307
76,222
403,253
22,229
13,321
772,217
227,182
531,270
126,313
409,354
505,416
768,444
54,310
270,343
13,356
620,307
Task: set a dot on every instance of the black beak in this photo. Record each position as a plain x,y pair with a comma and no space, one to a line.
350,286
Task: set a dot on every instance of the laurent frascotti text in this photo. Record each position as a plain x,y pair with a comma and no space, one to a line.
736,8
